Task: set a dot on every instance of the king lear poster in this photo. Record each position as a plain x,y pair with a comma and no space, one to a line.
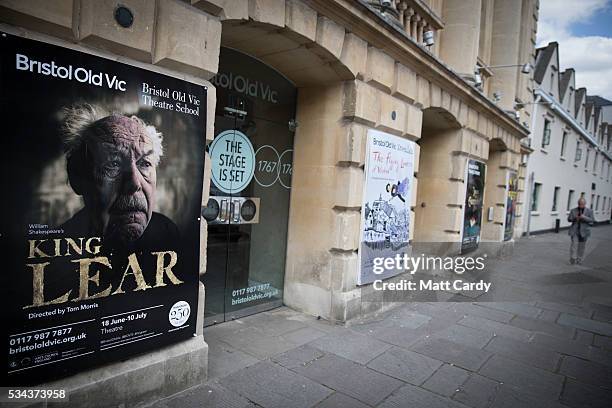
472,212
103,166
385,211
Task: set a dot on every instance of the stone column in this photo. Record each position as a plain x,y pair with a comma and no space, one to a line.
459,39
505,47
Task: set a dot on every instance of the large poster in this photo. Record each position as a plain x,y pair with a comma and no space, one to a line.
472,212
512,192
385,211
102,182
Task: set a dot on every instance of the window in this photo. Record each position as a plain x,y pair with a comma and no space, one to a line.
535,197
563,143
546,134
592,200
586,160
555,198
595,162
597,204
578,156
570,199
602,167
552,82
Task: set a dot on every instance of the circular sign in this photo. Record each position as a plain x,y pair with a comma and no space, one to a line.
232,161
267,167
179,313
285,167
248,210
211,211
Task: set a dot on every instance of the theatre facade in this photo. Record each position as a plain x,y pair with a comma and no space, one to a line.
331,131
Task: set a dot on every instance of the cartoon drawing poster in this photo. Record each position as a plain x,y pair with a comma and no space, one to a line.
385,210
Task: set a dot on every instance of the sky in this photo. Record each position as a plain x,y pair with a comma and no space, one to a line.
583,29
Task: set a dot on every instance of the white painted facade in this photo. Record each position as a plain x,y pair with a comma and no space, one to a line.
575,159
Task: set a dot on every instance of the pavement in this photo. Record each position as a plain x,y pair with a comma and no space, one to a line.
553,348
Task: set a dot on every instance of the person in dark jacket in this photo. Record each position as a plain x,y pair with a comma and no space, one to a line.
582,219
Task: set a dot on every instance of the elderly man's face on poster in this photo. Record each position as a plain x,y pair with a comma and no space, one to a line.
122,189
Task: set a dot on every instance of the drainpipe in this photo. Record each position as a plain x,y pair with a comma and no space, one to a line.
534,115
530,195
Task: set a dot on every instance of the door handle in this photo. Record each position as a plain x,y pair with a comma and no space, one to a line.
223,212
236,211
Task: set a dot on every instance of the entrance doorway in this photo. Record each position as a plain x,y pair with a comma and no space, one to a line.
251,167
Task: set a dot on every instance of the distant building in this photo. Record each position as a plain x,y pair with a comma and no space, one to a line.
571,145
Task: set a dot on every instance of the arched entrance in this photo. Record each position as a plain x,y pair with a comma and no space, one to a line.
440,181
279,93
501,193
251,165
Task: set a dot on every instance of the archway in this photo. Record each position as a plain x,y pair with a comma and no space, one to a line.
495,192
309,61
440,180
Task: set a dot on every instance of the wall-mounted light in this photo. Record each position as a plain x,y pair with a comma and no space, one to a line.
477,79
521,105
525,68
428,38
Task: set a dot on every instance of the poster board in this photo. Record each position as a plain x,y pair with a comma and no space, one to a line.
103,167
385,210
511,197
474,200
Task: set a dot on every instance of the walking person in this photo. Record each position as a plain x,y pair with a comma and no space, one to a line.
581,218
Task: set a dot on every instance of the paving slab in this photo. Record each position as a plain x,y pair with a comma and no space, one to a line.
588,372
479,309
405,365
468,336
477,391
601,356
527,353
339,400
496,328
603,341
340,374
351,345
303,335
578,322
584,337
447,380
412,396
224,359
549,315
210,395
563,346
256,343
529,379
579,395
470,358
271,385
539,326
508,396
519,309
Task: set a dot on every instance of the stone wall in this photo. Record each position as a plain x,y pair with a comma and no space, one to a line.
352,73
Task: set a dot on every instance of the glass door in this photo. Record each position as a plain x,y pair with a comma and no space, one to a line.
251,167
